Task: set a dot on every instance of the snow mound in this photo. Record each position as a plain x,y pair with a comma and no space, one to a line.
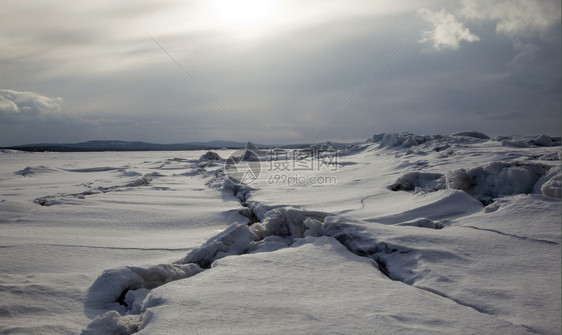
473,133
419,181
497,179
210,156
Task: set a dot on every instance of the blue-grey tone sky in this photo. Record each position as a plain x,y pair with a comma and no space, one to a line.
274,71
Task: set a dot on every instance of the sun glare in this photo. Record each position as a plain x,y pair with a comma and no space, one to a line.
243,16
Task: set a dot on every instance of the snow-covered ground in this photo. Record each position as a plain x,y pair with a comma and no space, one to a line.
403,234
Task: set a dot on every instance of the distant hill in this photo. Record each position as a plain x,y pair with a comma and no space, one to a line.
126,146
147,146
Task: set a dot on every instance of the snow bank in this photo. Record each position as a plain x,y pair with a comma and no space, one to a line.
497,179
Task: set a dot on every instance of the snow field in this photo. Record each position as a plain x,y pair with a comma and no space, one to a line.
418,235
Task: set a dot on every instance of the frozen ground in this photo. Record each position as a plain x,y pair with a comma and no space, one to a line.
403,234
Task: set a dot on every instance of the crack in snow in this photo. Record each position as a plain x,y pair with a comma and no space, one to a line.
525,238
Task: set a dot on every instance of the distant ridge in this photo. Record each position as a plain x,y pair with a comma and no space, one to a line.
117,145
127,146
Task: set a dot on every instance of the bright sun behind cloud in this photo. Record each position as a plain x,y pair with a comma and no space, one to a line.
244,17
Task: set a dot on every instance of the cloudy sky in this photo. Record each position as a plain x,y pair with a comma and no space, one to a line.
276,71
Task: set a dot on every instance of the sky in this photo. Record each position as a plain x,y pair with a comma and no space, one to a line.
273,71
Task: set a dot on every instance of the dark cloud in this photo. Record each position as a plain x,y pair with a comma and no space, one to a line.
283,83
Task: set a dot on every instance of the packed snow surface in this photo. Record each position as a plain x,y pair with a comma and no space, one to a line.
404,234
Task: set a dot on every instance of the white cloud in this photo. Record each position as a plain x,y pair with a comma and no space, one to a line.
515,18
23,105
445,31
